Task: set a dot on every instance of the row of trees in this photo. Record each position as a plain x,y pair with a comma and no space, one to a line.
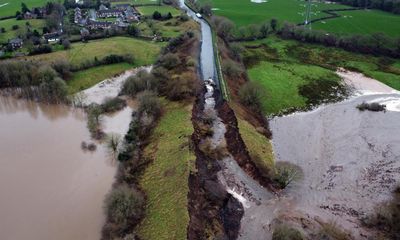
392,6
376,43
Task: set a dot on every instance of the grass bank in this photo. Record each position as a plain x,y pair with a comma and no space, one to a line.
283,66
85,79
165,179
144,52
163,9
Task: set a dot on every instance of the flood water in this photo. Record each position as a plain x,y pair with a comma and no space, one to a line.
50,188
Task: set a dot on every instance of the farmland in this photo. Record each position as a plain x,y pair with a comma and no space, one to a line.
144,52
10,7
243,13
137,2
149,10
165,179
36,24
283,66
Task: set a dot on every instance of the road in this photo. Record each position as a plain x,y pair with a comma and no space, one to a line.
207,63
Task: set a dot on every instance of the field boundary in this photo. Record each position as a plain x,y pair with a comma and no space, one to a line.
333,14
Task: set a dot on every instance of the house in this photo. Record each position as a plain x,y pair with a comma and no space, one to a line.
39,11
131,15
15,43
53,37
109,13
78,15
122,7
98,25
29,15
80,2
103,7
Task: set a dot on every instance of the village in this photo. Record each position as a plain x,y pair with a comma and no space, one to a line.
62,24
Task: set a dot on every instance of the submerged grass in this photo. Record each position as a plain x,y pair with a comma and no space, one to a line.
165,180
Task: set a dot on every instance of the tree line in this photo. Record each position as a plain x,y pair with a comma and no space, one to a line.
392,6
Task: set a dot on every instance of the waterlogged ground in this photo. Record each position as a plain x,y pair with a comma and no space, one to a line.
350,159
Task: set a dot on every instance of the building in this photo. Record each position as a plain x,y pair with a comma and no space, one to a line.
131,15
122,7
53,37
78,15
29,15
98,25
109,13
15,43
103,7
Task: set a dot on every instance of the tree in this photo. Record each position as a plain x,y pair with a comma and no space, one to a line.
224,27
274,24
264,29
2,30
157,15
24,8
251,94
206,9
66,44
133,30
15,27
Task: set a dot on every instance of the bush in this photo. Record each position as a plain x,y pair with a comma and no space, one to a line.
41,49
138,83
66,44
53,90
285,174
124,204
251,94
15,27
149,105
112,105
63,68
169,61
231,68
180,87
284,232
375,107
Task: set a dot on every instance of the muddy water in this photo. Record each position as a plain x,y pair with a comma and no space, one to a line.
350,159
50,188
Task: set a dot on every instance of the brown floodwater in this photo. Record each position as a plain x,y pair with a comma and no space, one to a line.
50,188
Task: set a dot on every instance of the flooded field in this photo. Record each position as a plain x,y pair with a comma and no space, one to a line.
350,159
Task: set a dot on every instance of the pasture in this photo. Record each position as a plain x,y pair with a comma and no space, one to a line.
144,52
283,66
10,7
35,24
136,2
165,179
163,9
246,12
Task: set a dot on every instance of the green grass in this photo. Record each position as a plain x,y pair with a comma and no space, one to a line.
149,10
15,5
362,22
243,13
165,180
284,65
246,12
134,2
7,24
84,79
171,28
282,81
144,52
258,145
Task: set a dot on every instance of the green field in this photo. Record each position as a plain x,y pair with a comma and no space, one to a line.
135,2
144,52
245,12
362,22
149,10
10,7
170,28
85,79
282,66
7,24
165,180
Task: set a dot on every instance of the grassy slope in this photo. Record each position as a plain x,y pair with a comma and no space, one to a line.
362,22
37,24
145,52
15,5
281,78
87,78
170,28
149,10
165,179
259,146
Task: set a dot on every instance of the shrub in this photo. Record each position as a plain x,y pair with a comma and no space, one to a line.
53,90
66,44
251,94
231,68
15,27
140,82
284,232
285,174
180,87
63,68
149,104
124,204
169,61
41,49
330,231
157,15
375,107
112,104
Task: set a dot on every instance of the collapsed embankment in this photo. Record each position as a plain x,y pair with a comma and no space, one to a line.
213,211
